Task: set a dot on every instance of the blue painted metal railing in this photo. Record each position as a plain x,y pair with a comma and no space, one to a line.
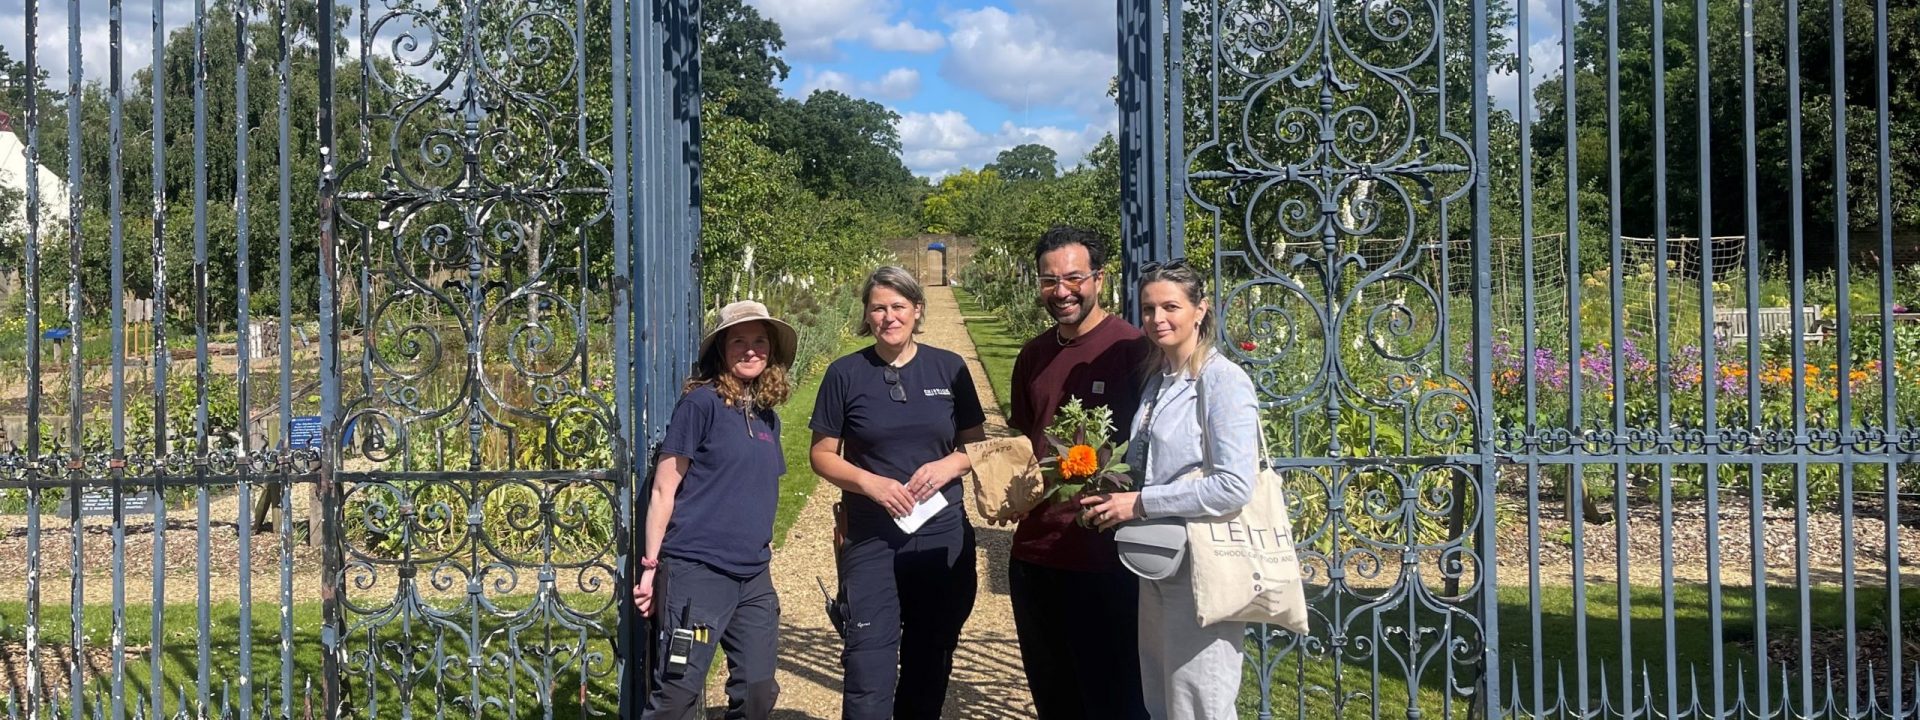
1456,407
487,213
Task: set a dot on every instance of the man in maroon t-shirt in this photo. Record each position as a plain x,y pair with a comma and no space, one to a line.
1074,606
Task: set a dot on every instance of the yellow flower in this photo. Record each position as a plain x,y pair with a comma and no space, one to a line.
1081,461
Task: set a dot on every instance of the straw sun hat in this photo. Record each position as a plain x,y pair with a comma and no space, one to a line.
746,311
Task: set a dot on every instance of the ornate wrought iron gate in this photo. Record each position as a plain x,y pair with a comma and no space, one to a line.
1539,466
434,316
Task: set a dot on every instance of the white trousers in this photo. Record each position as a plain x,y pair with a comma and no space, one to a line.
1187,672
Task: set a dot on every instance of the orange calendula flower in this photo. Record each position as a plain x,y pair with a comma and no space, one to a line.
1081,461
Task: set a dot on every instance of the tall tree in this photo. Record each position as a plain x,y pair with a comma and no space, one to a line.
1727,137
740,62
1031,161
848,147
219,34
13,86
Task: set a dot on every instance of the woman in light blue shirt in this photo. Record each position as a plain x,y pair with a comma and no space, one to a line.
1188,672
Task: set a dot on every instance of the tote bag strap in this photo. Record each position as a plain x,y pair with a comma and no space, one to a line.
1200,413
1206,433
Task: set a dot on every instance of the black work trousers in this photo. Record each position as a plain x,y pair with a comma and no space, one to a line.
741,616
1079,641
908,597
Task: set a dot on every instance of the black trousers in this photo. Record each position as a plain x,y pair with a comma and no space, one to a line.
742,616
1079,641
907,597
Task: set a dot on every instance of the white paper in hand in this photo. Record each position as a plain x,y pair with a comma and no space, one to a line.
922,513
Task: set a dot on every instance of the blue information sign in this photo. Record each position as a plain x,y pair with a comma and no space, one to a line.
306,432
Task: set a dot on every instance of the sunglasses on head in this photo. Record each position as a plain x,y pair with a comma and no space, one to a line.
1179,263
894,390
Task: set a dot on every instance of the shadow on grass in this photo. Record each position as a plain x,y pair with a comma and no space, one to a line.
1365,666
1358,660
511,661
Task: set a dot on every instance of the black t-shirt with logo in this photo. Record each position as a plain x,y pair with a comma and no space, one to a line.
723,512
893,439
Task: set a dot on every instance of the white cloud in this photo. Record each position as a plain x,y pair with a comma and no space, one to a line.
903,36
1543,58
1021,60
941,143
51,33
1076,24
896,84
814,28
932,143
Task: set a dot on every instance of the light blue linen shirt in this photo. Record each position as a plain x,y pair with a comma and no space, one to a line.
1169,424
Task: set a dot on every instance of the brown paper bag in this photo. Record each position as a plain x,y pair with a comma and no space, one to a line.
1006,478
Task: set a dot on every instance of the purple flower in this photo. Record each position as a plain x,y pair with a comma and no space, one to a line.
1732,384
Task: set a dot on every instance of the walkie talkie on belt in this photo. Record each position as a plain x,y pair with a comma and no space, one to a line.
837,609
678,649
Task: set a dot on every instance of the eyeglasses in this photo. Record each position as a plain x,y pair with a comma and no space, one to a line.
1073,282
1179,263
894,389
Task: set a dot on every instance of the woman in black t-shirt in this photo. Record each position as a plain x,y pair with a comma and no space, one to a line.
709,523
888,427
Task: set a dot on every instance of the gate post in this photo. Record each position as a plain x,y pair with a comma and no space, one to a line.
332,621
1142,156
659,219
1488,702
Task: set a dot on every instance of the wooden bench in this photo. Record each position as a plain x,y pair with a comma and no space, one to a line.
1731,323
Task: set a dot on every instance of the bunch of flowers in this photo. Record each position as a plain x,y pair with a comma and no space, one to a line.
1085,459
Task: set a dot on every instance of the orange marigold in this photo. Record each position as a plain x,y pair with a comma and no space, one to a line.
1081,461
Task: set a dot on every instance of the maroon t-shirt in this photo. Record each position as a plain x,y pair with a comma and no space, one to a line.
1101,367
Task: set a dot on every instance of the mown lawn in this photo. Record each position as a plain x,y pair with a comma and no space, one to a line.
997,350
1554,652
515,660
525,664
800,483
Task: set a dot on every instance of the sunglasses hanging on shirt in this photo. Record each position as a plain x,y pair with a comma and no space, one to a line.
894,389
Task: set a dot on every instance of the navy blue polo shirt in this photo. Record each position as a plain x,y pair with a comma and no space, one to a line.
723,512
893,439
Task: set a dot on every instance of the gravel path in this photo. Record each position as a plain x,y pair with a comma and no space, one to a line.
1827,545
987,680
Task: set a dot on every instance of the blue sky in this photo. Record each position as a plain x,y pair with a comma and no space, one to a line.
969,78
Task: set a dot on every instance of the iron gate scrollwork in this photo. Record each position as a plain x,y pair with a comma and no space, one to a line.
1560,434
498,394
450,348
482,452
1309,146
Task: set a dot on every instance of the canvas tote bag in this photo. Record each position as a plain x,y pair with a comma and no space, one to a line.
1244,565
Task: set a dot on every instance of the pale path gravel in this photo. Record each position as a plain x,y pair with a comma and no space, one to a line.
987,680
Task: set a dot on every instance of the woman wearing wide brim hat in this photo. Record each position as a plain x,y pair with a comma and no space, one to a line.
709,524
